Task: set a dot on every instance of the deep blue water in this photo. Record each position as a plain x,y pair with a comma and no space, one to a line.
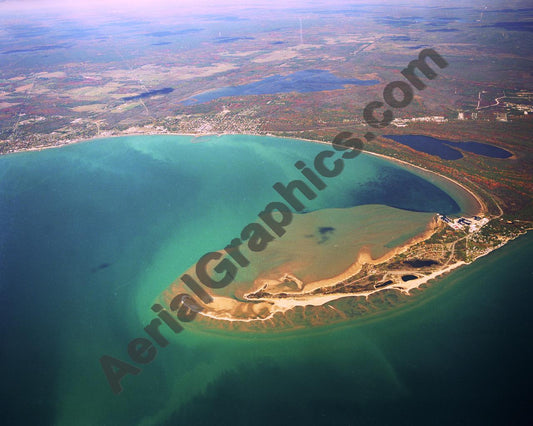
401,22
37,49
443,30
400,38
443,148
460,357
221,40
301,81
526,26
164,91
174,32
81,227
420,46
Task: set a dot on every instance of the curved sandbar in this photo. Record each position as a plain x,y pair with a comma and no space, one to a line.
234,305
279,289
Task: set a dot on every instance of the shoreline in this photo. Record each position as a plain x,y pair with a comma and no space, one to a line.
281,305
285,304
481,205
303,299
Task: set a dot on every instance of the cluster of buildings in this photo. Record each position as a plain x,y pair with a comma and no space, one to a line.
472,224
403,122
498,114
517,105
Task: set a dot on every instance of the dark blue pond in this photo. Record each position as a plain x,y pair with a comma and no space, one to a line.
37,49
443,30
231,39
443,148
164,91
513,26
301,81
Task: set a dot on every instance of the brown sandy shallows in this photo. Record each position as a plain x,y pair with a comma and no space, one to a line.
229,309
226,309
312,293
364,257
265,308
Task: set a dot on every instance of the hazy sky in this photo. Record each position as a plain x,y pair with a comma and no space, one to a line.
207,4
74,8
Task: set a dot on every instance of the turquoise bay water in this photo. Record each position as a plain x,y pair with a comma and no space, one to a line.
90,234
